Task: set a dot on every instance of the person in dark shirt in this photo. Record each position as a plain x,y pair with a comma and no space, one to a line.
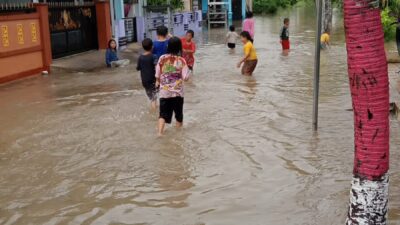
147,67
284,35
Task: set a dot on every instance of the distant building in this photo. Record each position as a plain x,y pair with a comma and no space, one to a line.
236,8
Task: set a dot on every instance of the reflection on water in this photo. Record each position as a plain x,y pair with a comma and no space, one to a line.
82,148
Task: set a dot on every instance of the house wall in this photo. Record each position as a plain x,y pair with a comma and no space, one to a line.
25,44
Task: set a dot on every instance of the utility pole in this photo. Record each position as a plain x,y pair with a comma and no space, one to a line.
317,63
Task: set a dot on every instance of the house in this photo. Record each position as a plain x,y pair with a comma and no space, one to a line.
124,14
33,34
236,8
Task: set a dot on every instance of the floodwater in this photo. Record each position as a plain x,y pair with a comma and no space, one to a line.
81,148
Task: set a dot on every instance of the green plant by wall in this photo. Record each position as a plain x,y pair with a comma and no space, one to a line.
388,23
175,4
271,6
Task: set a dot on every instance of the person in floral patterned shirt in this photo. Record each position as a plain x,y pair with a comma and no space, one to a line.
189,48
171,71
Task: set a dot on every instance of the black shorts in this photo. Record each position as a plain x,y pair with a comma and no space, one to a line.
191,68
151,91
168,106
231,45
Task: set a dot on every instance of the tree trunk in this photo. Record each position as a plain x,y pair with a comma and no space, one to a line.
327,15
398,37
249,5
368,76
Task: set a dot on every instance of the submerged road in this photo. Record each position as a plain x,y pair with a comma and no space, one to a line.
81,148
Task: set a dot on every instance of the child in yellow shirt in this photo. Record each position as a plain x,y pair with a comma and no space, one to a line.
325,40
250,59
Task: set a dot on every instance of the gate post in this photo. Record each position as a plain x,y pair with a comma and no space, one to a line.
103,17
43,11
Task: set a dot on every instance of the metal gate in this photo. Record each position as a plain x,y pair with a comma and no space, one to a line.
73,27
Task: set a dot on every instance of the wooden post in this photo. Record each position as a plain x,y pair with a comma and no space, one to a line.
43,11
103,16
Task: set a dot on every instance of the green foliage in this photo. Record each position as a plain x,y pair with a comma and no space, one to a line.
388,22
271,6
176,4
394,6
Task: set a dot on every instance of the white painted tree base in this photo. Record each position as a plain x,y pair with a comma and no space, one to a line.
368,202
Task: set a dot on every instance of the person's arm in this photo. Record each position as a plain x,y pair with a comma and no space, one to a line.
108,58
246,56
328,41
158,74
138,66
185,72
193,48
252,28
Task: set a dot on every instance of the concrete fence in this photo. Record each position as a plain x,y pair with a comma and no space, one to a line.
25,47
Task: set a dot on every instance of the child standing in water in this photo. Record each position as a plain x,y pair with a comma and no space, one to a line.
189,48
161,44
285,35
146,65
250,59
248,24
231,37
325,40
112,59
171,72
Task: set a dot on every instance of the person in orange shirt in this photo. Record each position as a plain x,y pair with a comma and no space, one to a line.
188,49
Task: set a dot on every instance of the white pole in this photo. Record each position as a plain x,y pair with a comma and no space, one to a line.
112,10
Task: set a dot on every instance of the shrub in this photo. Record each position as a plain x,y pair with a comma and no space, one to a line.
176,4
271,6
388,25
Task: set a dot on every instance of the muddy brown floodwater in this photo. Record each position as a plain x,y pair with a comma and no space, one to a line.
81,148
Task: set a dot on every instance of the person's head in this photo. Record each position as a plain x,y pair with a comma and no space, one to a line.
245,37
174,46
232,28
189,35
327,31
249,14
162,32
147,44
286,22
112,44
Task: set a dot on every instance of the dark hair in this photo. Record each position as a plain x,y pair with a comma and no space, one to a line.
147,44
109,44
246,35
190,32
162,31
286,20
174,46
232,28
249,14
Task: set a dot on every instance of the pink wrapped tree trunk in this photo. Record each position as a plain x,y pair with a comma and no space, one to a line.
368,76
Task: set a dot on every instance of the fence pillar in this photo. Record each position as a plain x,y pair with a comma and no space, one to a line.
43,11
103,23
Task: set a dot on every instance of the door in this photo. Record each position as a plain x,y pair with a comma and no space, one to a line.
237,9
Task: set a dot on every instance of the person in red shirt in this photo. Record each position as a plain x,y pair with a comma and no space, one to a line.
188,48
